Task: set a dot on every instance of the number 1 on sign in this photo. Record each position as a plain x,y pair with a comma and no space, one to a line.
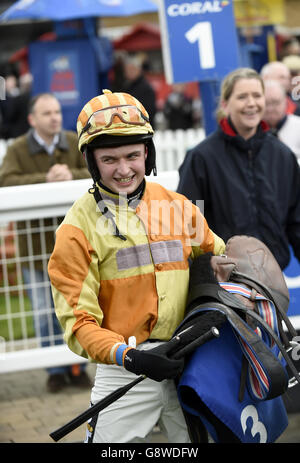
202,32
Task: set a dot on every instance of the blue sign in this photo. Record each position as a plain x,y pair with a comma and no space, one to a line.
199,40
60,68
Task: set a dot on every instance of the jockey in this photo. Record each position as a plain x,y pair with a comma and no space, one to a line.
120,272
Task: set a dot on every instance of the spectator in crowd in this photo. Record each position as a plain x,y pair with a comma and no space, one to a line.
124,295
136,83
178,109
285,126
117,74
248,179
290,46
14,108
292,62
46,153
276,70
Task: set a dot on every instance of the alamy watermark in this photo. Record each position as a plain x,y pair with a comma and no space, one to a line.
296,348
158,217
2,88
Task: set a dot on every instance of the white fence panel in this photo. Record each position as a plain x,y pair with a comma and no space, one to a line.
171,146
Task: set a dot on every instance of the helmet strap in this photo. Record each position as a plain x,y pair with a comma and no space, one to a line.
104,210
95,174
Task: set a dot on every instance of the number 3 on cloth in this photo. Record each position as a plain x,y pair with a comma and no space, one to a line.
257,426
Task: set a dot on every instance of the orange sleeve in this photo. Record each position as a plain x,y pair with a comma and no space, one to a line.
98,342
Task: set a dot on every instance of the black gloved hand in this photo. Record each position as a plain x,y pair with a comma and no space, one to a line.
153,363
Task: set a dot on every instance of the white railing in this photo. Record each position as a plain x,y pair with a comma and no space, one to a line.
20,345
171,146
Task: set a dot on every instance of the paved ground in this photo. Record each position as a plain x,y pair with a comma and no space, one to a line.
28,413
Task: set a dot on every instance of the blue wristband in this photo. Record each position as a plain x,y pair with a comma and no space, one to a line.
119,354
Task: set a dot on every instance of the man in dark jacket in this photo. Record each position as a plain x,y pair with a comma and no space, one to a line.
137,85
46,153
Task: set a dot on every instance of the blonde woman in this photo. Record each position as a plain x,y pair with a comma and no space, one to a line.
248,179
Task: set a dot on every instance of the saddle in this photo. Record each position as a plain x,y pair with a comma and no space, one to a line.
246,284
248,261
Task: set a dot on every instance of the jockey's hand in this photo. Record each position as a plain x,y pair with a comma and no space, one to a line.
153,363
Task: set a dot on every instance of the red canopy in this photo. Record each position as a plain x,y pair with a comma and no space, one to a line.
142,37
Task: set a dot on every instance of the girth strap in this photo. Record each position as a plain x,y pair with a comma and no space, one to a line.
265,308
259,286
267,311
212,294
271,375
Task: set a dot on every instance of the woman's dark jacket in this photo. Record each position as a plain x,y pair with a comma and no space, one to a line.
249,187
